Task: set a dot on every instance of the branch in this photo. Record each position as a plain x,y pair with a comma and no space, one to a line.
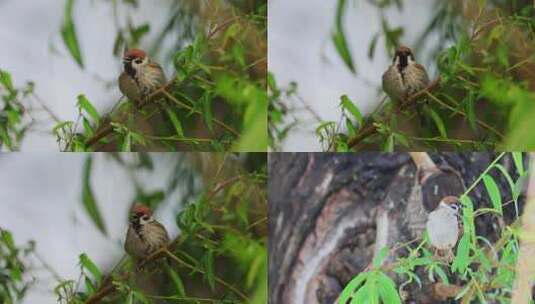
372,129
217,279
108,129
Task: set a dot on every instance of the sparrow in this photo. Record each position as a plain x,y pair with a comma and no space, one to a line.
404,77
443,227
145,234
141,76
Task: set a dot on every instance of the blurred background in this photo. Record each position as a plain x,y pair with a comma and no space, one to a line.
30,32
301,51
54,51
70,204
326,60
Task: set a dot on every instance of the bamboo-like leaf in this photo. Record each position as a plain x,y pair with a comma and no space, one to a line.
347,104
339,37
387,290
5,80
88,199
86,105
68,33
494,193
353,286
175,121
461,261
88,264
517,158
438,122
127,143
177,281
207,111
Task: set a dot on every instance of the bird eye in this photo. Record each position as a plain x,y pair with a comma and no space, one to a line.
145,217
138,61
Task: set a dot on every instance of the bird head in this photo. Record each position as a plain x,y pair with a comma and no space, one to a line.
451,203
133,60
403,56
140,214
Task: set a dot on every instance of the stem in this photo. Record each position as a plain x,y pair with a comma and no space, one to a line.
474,184
217,279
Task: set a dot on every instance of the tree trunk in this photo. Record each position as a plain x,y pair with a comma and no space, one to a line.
329,214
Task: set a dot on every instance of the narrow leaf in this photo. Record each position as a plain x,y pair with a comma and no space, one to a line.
517,158
68,33
86,262
494,193
339,37
207,111
86,105
88,199
175,121
177,281
347,104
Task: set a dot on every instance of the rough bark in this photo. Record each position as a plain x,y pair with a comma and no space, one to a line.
329,214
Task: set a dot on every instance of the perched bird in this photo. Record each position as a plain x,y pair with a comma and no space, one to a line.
145,235
404,77
443,226
141,76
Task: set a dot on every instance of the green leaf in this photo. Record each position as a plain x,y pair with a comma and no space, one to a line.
86,105
347,104
494,193
389,144
461,261
118,44
209,266
373,44
177,281
88,199
387,290
68,33
352,287
517,158
86,262
5,80
441,274
339,38
207,111
8,239
175,121
438,122
126,146
378,260
470,110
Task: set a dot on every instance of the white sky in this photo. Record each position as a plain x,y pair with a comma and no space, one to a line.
40,199
300,49
27,30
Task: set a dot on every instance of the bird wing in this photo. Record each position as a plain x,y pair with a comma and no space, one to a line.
421,68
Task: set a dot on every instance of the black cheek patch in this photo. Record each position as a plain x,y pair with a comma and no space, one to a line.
129,69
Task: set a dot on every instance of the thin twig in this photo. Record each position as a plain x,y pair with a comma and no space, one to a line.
371,127
217,279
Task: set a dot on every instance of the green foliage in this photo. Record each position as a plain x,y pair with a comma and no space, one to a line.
216,99
88,198
220,254
280,119
481,98
13,268
68,33
339,36
14,121
483,271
